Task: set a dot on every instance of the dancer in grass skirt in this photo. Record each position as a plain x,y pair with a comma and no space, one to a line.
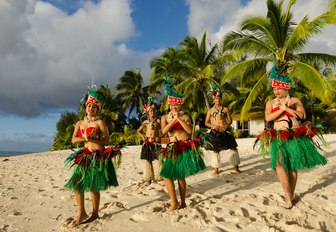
182,156
151,138
288,142
93,167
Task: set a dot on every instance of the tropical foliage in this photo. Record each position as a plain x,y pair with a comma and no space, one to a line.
240,64
278,39
64,127
131,91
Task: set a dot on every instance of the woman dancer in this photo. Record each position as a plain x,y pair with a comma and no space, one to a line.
289,142
93,167
182,157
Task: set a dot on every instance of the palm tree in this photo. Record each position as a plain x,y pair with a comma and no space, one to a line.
194,68
168,64
200,65
131,91
277,38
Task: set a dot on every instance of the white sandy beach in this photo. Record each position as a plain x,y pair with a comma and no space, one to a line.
32,197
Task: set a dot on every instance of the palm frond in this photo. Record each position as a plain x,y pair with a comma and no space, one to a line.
257,89
241,69
309,77
326,59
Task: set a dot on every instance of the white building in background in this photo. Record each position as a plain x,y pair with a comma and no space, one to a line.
252,124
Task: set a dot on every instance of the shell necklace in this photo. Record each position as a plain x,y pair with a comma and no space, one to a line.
92,119
277,100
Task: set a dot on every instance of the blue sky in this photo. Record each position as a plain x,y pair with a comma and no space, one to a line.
50,51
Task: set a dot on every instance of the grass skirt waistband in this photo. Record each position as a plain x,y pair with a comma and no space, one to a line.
219,141
294,149
181,159
93,171
149,151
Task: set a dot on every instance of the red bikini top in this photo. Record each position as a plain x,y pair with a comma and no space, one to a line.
286,113
89,130
177,126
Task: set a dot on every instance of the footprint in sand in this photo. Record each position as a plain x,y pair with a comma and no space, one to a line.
116,204
16,213
67,222
139,218
4,228
265,201
245,212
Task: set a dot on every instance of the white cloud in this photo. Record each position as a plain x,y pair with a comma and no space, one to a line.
48,58
220,17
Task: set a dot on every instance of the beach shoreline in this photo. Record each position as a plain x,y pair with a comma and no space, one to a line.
33,197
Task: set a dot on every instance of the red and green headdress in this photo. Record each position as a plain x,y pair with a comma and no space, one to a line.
279,79
92,97
170,92
215,90
151,104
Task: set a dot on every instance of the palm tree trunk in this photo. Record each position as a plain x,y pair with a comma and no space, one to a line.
206,100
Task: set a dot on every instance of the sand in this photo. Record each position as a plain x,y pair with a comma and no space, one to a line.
32,196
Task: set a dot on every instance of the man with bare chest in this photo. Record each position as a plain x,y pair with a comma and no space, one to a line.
151,140
218,118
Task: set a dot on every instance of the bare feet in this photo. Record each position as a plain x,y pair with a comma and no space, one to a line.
173,207
182,206
216,171
79,221
91,219
147,183
288,204
236,170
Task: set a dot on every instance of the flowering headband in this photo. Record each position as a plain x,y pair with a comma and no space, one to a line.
173,98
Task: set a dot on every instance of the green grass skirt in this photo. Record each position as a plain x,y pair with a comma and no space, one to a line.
295,154
294,149
93,171
182,159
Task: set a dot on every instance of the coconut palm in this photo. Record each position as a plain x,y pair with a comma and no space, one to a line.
200,64
168,64
278,39
193,65
110,112
131,91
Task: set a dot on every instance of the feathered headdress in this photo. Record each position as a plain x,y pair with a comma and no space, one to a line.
92,97
215,90
170,92
151,104
279,79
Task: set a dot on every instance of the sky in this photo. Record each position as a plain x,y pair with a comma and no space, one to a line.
51,50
